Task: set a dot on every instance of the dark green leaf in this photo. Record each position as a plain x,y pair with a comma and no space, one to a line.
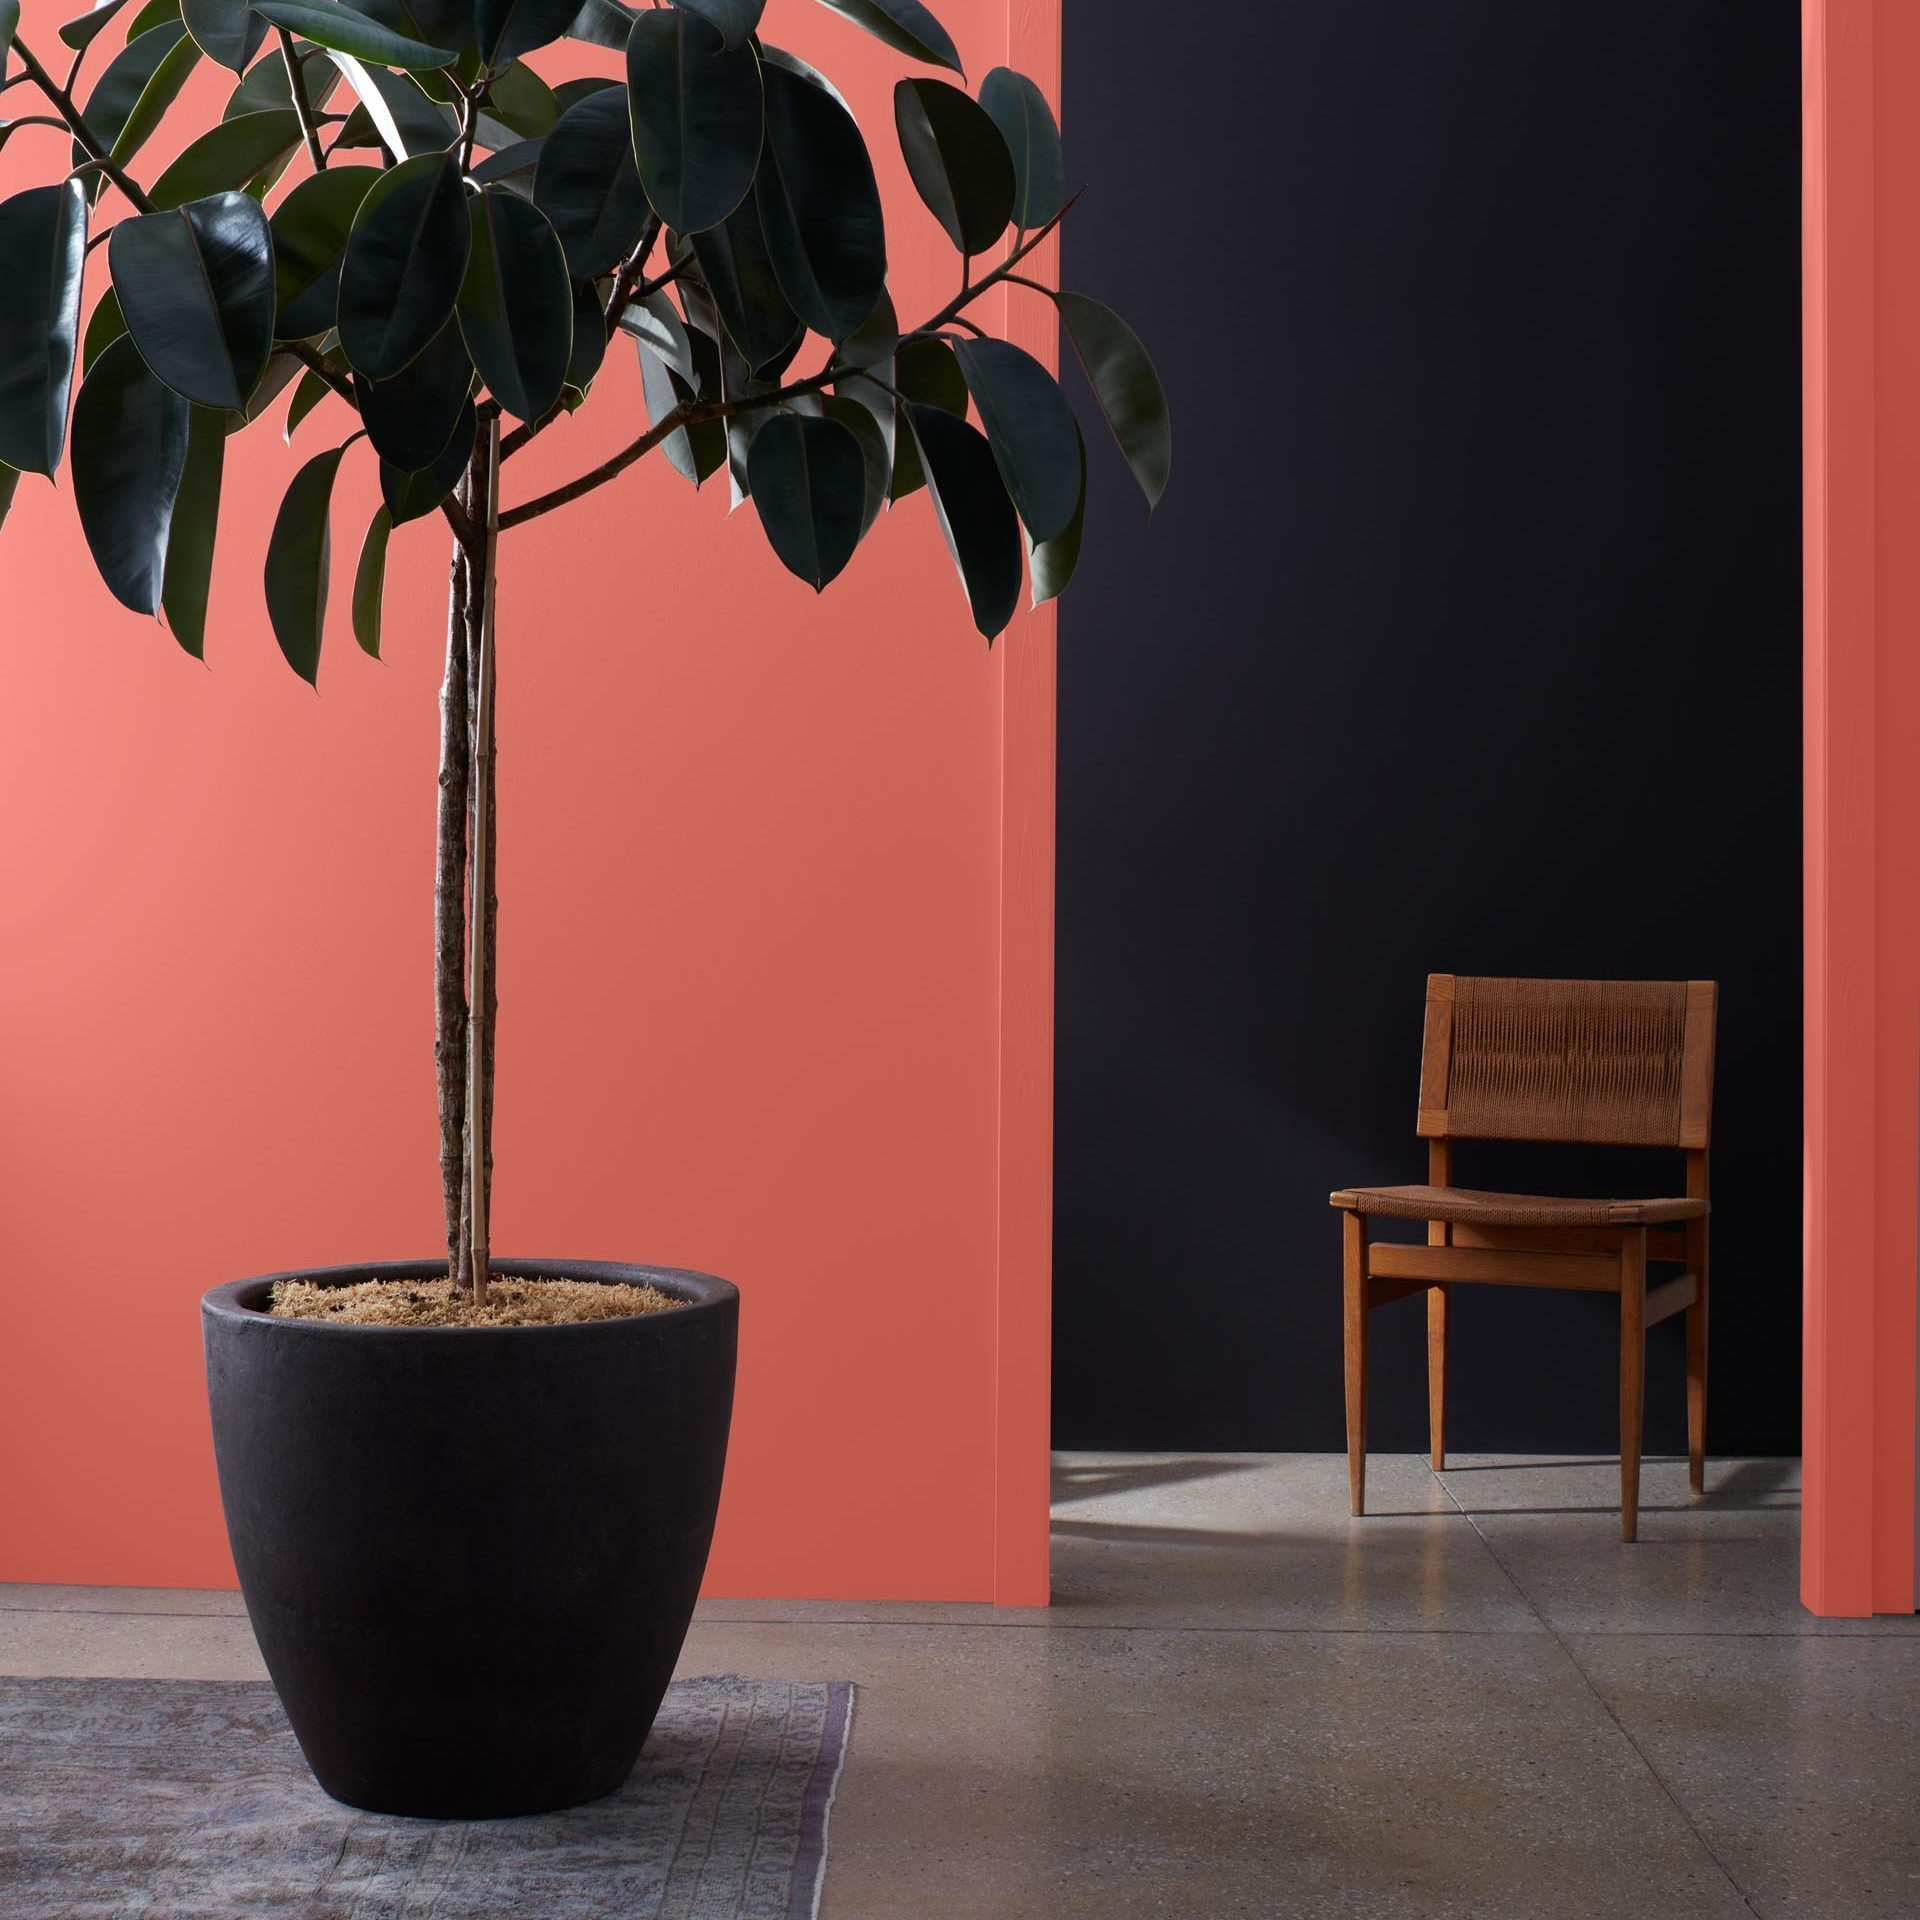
410,417
860,421
505,29
106,324
792,63
516,304
227,31
299,561
9,480
589,336
344,29
310,230
516,162
521,101
808,478
877,337
1127,387
819,207
739,273
409,496
976,517
1031,430
282,370
265,86
906,26
603,23
196,513
140,83
653,322
370,582
129,454
696,118
737,20
695,452
925,369
393,113
9,22
196,287
404,262
958,161
227,155
43,241
588,185
1050,563
83,29
569,93
306,396
1026,123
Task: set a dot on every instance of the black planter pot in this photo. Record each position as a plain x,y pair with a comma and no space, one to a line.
470,1555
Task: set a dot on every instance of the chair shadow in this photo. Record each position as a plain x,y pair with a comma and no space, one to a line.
1082,1480
1743,1489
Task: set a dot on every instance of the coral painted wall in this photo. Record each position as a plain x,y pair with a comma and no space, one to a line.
771,867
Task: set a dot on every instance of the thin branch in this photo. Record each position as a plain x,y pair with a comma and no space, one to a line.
1021,280
960,320
77,124
302,105
669,423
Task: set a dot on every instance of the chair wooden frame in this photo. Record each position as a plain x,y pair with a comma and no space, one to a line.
1606,1247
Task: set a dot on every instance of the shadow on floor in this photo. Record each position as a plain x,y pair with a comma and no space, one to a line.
1086,1480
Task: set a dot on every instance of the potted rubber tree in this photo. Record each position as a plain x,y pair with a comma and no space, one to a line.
470,1512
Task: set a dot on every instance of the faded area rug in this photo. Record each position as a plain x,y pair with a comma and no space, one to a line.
188,1800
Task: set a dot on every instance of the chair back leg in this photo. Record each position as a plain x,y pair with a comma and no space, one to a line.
1354,1234
1437,1375
1697,1333
1633,1373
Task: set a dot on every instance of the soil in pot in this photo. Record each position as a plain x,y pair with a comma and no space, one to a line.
511,1302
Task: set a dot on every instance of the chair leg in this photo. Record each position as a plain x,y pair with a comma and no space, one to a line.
1697,1381
1355,1275
1633,1373
1437,1375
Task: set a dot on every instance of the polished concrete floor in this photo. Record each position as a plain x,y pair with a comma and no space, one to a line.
1475,1702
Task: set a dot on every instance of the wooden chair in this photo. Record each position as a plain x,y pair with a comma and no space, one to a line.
1597,1062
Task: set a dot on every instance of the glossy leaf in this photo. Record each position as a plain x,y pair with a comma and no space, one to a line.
653,322
299,562
106,324
344,29
410,417
906,26
85,28
808,478
819,207
410,496
264,85
9,483
9,23
738,270
976,517
228,155
196,288
505,29
589,337
522,102
43,241
141,81
696,452
370,582
1020,110
737,20
1050,563
515,163
957,160
875,452
697,118
393,113
792,63
1127,387
129,455
603,23
1031,429
226,31
925,369
516,303
588,185
403,265
283,369
188,575
306,396
310,230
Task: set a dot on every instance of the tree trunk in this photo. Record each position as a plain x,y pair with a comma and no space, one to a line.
449,919
484,516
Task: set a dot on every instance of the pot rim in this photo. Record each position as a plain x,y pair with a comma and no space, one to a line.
701,1294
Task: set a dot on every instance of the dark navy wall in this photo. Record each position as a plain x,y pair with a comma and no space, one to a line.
1467,639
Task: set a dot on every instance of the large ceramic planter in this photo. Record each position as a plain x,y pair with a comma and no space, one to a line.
470,1555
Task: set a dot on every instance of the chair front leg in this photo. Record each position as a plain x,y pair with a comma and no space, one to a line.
1437,1374
1697,1364
1633,1373
1354,1230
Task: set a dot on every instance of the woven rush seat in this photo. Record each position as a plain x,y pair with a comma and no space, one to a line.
1470,1206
